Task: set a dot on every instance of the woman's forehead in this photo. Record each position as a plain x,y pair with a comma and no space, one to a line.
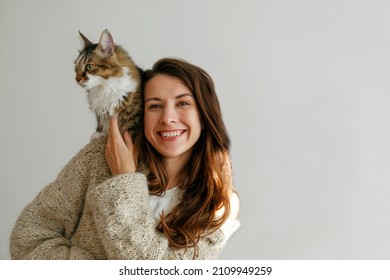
163,86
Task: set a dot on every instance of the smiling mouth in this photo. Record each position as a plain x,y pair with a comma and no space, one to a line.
171,134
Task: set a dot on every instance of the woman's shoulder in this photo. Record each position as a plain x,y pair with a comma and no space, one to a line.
93,148
232,223
92,153
96,145
234,206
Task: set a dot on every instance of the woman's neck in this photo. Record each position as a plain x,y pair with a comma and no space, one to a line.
174,168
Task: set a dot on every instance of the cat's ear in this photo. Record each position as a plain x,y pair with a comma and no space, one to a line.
84,41
106,43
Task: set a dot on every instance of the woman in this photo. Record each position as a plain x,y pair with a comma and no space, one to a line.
177,204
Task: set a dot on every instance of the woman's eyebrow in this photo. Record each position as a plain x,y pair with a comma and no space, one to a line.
177,97
152,99
184,95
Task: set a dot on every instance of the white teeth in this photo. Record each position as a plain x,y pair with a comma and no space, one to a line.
171,134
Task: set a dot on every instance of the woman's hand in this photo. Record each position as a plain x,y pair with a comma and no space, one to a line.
119,150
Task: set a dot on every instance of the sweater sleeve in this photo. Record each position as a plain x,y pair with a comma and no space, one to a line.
45,226
128,229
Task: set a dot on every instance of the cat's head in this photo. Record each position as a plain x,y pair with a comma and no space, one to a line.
97,62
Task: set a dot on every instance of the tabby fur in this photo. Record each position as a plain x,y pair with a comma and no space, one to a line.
113,83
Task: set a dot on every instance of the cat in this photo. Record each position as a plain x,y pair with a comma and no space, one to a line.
113,83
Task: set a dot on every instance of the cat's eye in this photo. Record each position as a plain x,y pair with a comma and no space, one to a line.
89,67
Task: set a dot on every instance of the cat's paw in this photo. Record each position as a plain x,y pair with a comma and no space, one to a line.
97,135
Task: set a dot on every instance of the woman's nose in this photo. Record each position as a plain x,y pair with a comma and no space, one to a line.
169,116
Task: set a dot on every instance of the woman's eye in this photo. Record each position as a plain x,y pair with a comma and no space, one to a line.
154,106
183,103
89,67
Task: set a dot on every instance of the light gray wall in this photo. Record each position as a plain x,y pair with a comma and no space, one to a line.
304,88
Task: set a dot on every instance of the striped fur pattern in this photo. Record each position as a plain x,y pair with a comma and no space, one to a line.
113,84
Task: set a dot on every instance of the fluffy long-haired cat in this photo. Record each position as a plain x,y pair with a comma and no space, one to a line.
113,83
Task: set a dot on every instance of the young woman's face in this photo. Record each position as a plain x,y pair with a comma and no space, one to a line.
171,117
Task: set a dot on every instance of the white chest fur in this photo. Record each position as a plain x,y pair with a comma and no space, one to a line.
104,95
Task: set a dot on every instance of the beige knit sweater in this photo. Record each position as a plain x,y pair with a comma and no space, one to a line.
86,213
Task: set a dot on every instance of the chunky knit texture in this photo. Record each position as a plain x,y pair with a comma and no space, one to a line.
86,213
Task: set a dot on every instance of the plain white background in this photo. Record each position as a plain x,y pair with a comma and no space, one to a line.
304,89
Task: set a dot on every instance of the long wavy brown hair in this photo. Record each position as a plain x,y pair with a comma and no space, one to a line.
207,180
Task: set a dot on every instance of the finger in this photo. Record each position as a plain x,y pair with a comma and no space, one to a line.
114,128
128,140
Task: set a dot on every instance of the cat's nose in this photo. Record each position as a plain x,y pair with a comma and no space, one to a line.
78,79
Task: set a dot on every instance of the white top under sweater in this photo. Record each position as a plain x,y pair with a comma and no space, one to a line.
165,203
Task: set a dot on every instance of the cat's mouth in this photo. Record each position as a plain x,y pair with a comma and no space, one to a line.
82,82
